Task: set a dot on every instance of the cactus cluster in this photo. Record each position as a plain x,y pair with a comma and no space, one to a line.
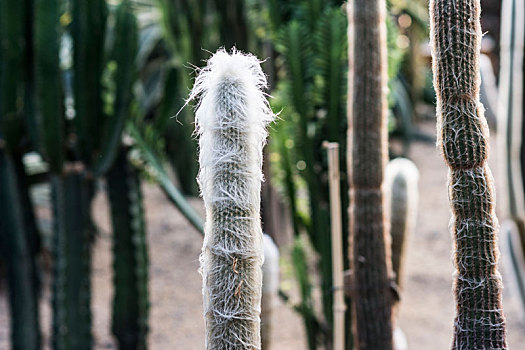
93,138
369,250
463,139
231,121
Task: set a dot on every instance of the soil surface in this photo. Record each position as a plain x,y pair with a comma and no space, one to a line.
427,308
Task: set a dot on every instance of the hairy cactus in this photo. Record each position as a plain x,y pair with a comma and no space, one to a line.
130,256
231,122
463,140
401,179
367,155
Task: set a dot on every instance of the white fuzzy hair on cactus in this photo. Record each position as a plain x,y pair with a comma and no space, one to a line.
231,119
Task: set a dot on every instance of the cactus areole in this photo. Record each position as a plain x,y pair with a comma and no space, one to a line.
231,120
463,139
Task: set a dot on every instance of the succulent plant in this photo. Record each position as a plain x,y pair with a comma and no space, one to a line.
369,251
130,255
231,121
463,140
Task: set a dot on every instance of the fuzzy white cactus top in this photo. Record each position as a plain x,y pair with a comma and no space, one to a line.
231,120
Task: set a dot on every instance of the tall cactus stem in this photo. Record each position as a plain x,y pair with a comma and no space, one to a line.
369,251
72,259
23,293
49,82
463,139
401,179
130,255
231,121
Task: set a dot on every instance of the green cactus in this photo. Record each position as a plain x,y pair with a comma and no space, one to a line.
13,46
17,247
130,256
50,107
367,153
88,29
73,228
85,156
21,241
463,139
124,51
231,122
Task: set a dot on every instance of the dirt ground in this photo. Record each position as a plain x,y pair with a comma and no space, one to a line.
427,308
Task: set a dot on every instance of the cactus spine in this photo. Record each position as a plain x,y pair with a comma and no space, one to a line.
231,122
367,156
463,140
130,257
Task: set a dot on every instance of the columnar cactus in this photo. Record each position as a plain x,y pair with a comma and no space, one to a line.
15,242
73,229
367,156
401,180
130,255
463,140
231,122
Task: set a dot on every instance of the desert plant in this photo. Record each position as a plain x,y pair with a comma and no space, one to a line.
463,139
369,251
130,256
16,242
231,122
86,156
401,178
18,232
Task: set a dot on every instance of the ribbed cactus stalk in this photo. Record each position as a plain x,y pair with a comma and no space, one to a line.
15,239
94,141
463,139
231,122
367,156
130,255
72,259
